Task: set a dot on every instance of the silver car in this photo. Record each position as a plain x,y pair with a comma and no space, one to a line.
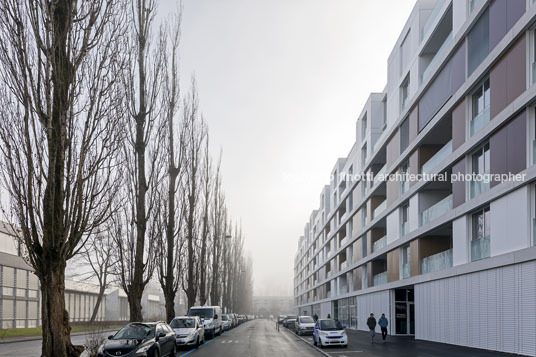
188,330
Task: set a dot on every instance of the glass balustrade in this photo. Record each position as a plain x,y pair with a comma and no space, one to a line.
405,271
436,58
436,211
480,248
381,207
480,121
380,278
436,262
477,187
438,157
435,13
404,227
379,244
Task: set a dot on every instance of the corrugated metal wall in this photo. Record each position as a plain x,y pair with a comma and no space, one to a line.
377,303
493,309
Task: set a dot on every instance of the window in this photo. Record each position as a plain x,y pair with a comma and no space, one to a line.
404,219
363,155
480,164
404,93
404,183
480,100
364,245
480,234
404,135
364,215
405,52
384,118
478,43
404,262
364,128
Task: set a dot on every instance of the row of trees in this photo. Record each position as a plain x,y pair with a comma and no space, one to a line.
103,157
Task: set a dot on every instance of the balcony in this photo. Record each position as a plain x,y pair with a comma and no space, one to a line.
436,211
480,121
344,265
480,248
405,273
438,157
428,24
436,262
379,244
380,278
378,210
437,57
478,187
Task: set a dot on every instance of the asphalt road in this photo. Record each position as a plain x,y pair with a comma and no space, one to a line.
257,338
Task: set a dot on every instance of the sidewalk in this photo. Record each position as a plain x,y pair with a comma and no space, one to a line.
38,337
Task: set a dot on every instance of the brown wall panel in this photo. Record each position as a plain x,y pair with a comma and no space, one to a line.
414,262
414,165
458,187
393,265
392,191
413,123
393,149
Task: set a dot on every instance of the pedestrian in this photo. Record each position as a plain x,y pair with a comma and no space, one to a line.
315,317
371,323
383,322
329,316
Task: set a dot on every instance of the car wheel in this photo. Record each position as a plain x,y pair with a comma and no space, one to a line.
320,343
314,341
156,353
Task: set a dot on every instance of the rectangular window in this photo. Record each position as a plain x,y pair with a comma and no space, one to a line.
404,219
480,165
364,240
404,183
404,135
364,155
404,262
480,234
480,107
404,93
405,52
364,128
478,43
384,117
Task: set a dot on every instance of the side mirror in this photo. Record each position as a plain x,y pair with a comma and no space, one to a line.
343,326
162,335
110,337
216,317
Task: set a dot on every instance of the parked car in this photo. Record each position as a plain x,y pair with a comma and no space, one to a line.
304,325
281,318
141,339
235,319
226,321
329,332
189,331
210,317
289,321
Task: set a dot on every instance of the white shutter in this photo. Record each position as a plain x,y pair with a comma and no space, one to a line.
527,309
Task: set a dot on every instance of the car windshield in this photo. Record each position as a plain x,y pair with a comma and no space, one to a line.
307,320
183,323
225,318
291,317
202,313
135,332
330,325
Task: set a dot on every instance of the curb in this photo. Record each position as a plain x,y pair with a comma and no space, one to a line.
310,344
39,337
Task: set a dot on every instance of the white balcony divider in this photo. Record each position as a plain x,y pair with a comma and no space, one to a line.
437,57
431,18
379,244
438,157
380,278
436,211
480,248
436,262
381,207
480,121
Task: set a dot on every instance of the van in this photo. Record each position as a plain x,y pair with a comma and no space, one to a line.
210,317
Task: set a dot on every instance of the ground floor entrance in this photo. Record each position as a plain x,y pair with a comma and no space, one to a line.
404,306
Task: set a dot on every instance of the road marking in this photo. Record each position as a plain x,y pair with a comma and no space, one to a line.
229,341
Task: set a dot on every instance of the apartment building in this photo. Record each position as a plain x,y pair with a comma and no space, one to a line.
454,260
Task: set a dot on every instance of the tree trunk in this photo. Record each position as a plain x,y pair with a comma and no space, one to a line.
134,303
55,319
98,303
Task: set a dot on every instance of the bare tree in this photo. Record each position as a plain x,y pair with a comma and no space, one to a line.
195,134
143,156
59,135
170,247
207,184
219,221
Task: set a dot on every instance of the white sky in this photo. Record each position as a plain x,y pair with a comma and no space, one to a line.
281,84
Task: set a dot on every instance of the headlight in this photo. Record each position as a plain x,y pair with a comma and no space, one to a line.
343,333
101,349
322,333
144,349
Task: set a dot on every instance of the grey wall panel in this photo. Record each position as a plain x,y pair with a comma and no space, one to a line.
478,42
498,153
458,187
517,151
458,125
497,22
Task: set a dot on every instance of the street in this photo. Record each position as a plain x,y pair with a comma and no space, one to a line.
253,338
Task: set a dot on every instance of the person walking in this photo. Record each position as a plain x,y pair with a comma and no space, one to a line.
329,316
315,317
371,323
383,322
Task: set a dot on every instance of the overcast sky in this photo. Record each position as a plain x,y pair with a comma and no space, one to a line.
281,84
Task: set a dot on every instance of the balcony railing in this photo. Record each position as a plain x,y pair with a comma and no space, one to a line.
404,186
480,248
380,278
436,211
436,262
382,171
477,187
405,271
436,58
431,18
439,156
381,207
379,244
344,265
480,121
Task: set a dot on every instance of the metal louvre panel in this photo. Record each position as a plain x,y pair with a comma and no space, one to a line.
508,328
527,309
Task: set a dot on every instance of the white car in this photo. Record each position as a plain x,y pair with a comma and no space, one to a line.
226,322
304,325
210,317
329,332
188,330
